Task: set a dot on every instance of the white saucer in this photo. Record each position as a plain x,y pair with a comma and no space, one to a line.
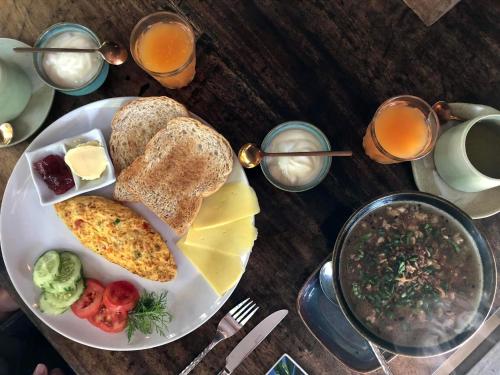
477,205
42,95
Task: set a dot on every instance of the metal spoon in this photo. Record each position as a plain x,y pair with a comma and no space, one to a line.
112,52
326,283
443,112
250,155
6,133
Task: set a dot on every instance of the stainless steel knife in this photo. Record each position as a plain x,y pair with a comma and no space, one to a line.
252,340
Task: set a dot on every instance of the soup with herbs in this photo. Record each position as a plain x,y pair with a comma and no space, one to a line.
411,274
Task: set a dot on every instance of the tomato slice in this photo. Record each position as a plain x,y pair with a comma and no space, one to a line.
109,321
89,302
120,296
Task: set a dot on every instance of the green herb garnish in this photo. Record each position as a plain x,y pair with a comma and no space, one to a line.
366,236
401,268
356,290
455,246
428,228
429,270
150,314
117,221
360,254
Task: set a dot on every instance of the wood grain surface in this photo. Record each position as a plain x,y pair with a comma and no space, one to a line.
262,62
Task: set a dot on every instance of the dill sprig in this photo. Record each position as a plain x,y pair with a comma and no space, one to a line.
150,314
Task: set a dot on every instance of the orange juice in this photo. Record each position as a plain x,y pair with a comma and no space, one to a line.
399,130
166,49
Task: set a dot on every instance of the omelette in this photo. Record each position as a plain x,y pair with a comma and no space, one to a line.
120,235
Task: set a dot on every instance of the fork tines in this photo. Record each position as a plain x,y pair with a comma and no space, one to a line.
243,311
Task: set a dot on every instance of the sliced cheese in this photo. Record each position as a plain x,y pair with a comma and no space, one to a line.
232,202
221,271
235,238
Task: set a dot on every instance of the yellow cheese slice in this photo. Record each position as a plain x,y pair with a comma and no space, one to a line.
235,238
232,202
221,271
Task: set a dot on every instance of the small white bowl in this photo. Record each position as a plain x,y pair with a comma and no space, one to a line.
47,196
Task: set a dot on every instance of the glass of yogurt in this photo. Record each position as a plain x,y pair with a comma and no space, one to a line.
295,173
71,73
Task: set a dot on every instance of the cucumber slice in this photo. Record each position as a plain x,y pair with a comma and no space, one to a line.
62,300
46,268
70,271
47,308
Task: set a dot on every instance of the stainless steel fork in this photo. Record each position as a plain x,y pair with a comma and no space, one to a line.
228,326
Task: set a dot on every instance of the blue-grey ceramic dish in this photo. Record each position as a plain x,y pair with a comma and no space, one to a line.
323,140
328,324
57,29
485,255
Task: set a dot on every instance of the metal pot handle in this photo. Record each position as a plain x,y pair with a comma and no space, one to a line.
381,359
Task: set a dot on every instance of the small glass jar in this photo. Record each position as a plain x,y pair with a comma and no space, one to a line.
325,162
92,84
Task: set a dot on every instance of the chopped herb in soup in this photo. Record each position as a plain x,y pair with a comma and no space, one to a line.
411,274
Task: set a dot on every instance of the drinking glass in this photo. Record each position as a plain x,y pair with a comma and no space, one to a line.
404,128
164,45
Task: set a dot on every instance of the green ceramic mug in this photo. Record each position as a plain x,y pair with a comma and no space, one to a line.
467,156
15,91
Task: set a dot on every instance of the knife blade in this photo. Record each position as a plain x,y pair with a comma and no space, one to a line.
252,340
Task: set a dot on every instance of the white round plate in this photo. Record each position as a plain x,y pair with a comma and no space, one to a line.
42,95
477,205
28,229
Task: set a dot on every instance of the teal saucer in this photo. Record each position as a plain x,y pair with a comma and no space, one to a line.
42,95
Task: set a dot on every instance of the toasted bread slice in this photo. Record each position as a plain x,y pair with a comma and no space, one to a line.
136,123
120,193
183,163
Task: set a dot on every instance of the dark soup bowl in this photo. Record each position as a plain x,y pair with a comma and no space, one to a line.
413,275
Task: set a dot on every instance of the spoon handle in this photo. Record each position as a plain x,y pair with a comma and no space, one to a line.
309,153
45,49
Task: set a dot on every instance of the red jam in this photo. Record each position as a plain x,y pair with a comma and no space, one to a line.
55,173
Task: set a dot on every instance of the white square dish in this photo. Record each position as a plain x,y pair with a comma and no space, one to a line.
47,196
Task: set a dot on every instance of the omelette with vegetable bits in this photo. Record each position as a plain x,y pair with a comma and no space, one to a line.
117,233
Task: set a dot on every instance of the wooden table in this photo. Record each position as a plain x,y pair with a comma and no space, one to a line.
261,63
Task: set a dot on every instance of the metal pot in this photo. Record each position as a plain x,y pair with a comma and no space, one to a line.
486,258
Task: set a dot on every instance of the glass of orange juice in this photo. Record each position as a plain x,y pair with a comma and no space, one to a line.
403,128
164,45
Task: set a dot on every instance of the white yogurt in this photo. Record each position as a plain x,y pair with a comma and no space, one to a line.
71,70
295,170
